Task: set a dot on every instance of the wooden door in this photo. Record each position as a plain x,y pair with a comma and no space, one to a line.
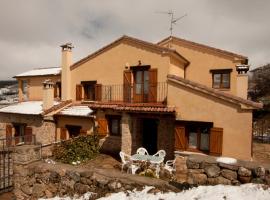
8,135
28,135
102,126
216,138
180,138
63,133
127,86
152,97
141,86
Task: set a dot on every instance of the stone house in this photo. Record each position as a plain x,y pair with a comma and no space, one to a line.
175,95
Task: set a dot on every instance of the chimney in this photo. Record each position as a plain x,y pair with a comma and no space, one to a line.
65,74
48,94
242,81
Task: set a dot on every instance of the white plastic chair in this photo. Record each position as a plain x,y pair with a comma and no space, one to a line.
126,161
142,151
160,153
170,166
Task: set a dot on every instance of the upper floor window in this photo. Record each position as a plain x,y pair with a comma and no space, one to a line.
89,90
221,78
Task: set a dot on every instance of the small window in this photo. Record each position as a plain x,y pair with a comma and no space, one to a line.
221,78
114,125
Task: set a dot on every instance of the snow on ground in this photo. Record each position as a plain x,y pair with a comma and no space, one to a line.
218,192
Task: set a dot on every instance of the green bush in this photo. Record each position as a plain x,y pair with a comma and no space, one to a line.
77,149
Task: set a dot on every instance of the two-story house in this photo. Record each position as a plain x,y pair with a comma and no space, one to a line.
175,95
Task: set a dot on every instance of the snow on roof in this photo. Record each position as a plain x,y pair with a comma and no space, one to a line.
83,111
28,108
41,72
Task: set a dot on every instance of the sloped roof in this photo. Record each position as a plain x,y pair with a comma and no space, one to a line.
79,111
40,72
213,92
160,49
26,108
228,53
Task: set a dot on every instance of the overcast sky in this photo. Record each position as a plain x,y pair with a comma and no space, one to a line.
31,31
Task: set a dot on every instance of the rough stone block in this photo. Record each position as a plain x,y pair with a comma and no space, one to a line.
199,179
229,174
212,171
242,171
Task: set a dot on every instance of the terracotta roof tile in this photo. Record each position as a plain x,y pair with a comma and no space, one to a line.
214,92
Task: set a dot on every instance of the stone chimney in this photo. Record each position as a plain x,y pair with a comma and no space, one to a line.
48,94
242,81
65,74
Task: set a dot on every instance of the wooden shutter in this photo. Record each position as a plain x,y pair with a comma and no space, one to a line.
8,135
152,85
83,132
78,92
55,90
28,134
98,92
63,133
180,138
216,135
127,85
102,126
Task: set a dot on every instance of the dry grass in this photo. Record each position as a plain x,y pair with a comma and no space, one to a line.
261,152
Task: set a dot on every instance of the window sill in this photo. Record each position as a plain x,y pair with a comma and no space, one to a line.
222,89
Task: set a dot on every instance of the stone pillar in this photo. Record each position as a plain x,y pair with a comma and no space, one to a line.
166,136
20,90
126,138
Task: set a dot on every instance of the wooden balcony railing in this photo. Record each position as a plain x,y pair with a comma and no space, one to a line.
133,93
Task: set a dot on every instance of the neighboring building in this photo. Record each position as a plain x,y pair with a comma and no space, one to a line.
176,95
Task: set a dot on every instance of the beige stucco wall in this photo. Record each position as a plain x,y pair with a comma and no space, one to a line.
35,86
202,61
236,123
107,68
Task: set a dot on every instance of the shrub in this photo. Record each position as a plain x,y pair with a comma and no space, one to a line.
77,149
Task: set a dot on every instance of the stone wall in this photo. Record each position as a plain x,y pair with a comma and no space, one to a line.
206,170
45,180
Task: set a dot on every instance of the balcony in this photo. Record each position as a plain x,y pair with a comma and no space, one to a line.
132,93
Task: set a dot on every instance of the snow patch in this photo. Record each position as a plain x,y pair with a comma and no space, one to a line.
226,160
77,111
41,72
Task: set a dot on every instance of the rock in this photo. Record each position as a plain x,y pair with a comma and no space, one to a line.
229,174
244,179
86,174
102,180
192,164
48,194
259,171
54,177
38,190
196,171
212,171
244,172
258,181
68,183
218,180
267,179
52,188
197,179
114,185
205,164
235,182
228,166
81,188
153,191
26,189
84,180
75,176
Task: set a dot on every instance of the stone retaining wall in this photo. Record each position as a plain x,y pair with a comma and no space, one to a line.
45,180
205,170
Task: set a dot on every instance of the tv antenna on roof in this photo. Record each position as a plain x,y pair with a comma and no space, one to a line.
173,20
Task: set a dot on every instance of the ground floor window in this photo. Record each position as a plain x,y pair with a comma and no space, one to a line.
114,125
198,137
73,131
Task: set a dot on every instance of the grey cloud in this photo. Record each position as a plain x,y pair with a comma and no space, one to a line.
31,31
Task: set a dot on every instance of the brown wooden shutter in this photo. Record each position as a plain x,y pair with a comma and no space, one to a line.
180,138
83,132
102,126
78,92
55,90
152,85
98,92
63,133
28,134
8,135
127,85
216,135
